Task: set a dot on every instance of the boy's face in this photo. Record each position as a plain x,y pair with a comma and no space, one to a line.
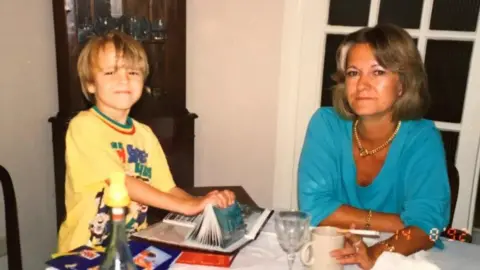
116,85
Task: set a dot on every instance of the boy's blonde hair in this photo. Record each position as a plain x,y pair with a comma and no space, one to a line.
127,48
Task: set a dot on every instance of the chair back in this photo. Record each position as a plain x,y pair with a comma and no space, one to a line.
454,180
14,251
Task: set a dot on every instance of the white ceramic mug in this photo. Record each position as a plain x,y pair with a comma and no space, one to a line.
316,253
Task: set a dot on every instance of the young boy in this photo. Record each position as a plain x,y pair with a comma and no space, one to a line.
104,139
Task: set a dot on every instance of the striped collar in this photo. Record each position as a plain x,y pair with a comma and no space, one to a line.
127,128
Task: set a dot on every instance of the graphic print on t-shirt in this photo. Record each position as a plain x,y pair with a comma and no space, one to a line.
135,163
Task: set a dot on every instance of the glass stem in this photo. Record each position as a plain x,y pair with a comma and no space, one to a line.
291,260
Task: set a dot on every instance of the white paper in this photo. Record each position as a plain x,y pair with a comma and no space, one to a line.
393,261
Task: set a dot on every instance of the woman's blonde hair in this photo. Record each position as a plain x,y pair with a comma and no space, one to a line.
396,51
126,47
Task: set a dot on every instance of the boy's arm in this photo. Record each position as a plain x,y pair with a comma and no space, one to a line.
162,180
176,200
180,193
225,197
144,193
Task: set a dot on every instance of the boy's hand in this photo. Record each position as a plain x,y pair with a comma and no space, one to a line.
221,199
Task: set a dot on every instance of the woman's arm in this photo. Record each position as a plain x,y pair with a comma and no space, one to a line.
406,242
346,216
427,205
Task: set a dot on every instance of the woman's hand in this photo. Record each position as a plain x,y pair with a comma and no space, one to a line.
354,252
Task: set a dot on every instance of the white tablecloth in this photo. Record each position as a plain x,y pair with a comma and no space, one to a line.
265,254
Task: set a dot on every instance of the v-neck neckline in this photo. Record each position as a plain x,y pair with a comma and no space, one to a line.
392,151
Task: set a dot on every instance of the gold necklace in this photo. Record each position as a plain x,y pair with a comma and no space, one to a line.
365,152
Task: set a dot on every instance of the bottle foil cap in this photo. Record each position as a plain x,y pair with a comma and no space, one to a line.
117,194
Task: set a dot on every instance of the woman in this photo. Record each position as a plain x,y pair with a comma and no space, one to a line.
372,162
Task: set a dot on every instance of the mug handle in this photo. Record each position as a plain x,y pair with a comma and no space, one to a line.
303,254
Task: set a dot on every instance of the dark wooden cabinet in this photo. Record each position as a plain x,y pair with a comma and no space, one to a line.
161,28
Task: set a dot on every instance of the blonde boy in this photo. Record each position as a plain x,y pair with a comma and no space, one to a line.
104,139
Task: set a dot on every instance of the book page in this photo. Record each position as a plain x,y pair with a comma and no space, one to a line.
176,229
165,232
254,218
178,235
231,248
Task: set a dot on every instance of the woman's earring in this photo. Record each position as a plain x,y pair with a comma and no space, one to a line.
400,92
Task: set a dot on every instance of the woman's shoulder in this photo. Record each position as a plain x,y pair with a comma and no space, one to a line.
421,127
422,133
328,115
327,121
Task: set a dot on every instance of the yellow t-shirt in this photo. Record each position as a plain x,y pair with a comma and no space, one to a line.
96,146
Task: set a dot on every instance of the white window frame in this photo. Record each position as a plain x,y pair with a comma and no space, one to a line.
300,81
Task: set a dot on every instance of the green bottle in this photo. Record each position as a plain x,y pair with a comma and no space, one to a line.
117,254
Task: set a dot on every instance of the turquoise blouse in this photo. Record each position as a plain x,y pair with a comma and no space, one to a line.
412,183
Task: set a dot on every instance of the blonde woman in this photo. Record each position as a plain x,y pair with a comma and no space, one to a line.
372,161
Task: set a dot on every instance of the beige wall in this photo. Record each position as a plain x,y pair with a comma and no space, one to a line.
233,68
27,98
233,60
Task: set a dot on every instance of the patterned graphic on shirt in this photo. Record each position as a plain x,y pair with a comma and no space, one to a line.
135,164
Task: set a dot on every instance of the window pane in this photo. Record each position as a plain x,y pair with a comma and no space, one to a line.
404,13
447,63
457,15
348,12
329,67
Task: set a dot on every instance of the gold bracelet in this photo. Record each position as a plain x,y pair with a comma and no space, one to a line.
388,247
368,219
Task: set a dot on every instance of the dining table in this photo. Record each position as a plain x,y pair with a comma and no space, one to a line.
265,253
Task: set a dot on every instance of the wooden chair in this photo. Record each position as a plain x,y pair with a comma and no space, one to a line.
14,251
454,233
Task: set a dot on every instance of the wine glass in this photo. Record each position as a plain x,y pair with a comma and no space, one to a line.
85,30
104,24
292,229
138,27
158,30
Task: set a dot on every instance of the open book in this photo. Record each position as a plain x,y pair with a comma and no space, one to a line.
218,230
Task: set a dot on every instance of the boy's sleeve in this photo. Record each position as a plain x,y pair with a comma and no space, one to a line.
161,176
316,170
427,204
89,159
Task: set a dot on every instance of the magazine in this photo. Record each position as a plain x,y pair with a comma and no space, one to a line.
145,256
214,230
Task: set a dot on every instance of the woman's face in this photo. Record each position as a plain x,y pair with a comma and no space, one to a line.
371,89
